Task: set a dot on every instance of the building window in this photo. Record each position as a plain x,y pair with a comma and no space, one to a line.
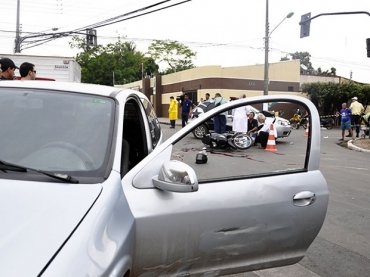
290,88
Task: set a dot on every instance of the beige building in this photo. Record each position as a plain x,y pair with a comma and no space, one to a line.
229,81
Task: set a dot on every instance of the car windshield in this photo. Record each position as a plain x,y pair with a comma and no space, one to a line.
56,131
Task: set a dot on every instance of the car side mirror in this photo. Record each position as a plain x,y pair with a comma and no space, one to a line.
176,176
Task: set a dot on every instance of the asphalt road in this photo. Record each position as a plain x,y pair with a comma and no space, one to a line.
342,248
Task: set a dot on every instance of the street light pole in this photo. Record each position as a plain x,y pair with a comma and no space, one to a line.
17,47
267,42
266,75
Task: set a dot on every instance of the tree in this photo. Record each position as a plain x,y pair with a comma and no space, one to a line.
306,65
119,61
304,58
177,55
328,96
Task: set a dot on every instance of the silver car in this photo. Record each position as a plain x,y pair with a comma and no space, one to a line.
89,188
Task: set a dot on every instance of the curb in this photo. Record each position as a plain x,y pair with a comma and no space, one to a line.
356,148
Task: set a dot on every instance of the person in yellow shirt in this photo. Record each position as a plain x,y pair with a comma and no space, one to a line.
172,112
357,110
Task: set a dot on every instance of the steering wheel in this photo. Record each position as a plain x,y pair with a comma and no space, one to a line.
88,162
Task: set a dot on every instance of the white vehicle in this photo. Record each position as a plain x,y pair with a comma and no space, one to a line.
61,69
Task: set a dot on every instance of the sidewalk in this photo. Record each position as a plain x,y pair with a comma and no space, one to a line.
166,121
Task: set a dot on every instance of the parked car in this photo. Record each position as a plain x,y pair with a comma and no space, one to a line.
282,125
88,187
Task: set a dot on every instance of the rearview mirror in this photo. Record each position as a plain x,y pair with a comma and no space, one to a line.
176,176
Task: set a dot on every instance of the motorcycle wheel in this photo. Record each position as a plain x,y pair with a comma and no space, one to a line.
293,124
329,126
242,141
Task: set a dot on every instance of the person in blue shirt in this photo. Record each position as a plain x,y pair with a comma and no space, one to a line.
219,120
186,108
345,123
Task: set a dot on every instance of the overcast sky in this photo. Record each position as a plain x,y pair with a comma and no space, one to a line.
222,32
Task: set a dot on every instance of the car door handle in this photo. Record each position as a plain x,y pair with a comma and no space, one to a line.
304,198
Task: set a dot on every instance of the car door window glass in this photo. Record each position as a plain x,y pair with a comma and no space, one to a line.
154,126
279,148
134,138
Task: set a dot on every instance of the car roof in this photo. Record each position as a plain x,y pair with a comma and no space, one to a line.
62,86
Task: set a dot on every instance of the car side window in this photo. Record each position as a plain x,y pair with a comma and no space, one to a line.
244,143
155,128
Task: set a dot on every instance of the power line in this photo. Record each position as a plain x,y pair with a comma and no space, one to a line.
108,21
100,24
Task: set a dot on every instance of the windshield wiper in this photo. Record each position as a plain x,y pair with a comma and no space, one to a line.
14,167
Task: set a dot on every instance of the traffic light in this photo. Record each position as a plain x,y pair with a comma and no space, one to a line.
368,47
91,39
305,25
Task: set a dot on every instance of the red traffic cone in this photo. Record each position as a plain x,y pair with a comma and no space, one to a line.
307,130
271,145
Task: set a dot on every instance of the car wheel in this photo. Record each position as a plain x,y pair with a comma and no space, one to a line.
200,131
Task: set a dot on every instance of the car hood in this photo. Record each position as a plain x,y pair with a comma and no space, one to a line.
36,219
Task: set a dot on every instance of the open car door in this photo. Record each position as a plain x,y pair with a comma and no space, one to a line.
243,210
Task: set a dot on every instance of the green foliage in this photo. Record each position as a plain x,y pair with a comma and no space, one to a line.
305,60
98,63
329,96
177,56
304,57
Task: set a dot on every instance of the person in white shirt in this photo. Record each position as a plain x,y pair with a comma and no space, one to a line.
240,118
263,131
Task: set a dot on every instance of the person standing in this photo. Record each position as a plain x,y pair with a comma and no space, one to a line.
219,120
240,118
345,121
7,67
208,97
357,110
186,109
172,112
336,118
27,71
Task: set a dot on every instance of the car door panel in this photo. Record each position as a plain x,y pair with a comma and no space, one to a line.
229,225
236,227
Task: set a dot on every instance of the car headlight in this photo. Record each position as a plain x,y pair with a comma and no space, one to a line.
283,122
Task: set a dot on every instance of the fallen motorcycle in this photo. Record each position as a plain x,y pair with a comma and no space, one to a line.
327,123
228,140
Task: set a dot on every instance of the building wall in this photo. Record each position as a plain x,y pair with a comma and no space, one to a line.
315,78
230,82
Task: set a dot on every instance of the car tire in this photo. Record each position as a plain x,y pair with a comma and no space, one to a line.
200,131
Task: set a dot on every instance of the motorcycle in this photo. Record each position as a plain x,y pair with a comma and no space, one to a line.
297,121
327,123
228,140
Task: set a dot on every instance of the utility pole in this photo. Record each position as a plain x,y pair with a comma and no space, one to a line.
17,48
266,78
